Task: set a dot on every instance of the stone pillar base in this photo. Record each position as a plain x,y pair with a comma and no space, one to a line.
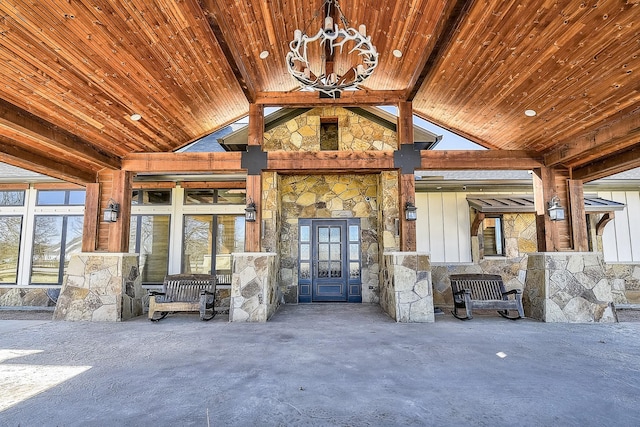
254,287
406,293
100,287
568,287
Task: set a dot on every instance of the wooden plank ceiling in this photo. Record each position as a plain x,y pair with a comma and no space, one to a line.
72,72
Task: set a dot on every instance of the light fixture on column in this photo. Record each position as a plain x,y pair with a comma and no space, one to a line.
336,58
111,212
556,212
250,211
410,211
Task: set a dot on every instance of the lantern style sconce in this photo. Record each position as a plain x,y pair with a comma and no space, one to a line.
250,212
410,212
556,212
111,212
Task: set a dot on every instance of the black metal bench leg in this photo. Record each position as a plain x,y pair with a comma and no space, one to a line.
163,314
207,309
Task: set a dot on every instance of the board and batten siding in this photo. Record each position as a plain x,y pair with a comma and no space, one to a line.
444,227
621,237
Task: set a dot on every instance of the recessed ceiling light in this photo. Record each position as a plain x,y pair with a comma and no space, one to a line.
135,117
264,54
530,113
397,53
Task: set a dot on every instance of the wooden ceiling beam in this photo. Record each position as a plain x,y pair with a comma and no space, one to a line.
448,24
231,54
42,163
329,161
347,98
26,128
615,134
182,162
619,162
480,160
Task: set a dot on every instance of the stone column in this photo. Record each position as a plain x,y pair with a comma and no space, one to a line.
100,287
568,287
254,288
406,293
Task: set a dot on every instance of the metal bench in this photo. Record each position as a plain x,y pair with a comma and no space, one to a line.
184,292
485,292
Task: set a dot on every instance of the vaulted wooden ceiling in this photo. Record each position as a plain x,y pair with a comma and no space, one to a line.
72,72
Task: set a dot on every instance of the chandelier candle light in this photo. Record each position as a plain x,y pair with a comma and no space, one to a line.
325,73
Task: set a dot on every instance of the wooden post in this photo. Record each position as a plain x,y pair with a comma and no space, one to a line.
91,217
405,123
578,215
119,230
254,182
407,228
407,182
553,236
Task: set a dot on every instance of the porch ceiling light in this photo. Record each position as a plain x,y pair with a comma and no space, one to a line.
336,58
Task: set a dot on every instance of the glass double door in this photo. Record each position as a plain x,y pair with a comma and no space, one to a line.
329,268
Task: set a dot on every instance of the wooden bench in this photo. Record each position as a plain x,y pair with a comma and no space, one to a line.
485,292
184,292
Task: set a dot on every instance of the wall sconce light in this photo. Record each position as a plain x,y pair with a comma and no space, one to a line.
111,212
410,211
556,212
250,211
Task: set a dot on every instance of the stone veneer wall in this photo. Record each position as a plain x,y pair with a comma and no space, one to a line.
355,133
406,293
254,290
44,298
568,287
100,287
329,196
512,270
625,282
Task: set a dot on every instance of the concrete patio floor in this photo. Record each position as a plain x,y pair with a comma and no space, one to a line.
321,364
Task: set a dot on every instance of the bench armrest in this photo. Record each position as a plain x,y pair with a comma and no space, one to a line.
512,292
204,292
462,291
154,293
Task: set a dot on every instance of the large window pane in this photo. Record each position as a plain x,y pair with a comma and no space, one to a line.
234,196
199,197
229,239
55,238
10,228
198,244
11,198
73,238
200,231
149,237
47,244
51,197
